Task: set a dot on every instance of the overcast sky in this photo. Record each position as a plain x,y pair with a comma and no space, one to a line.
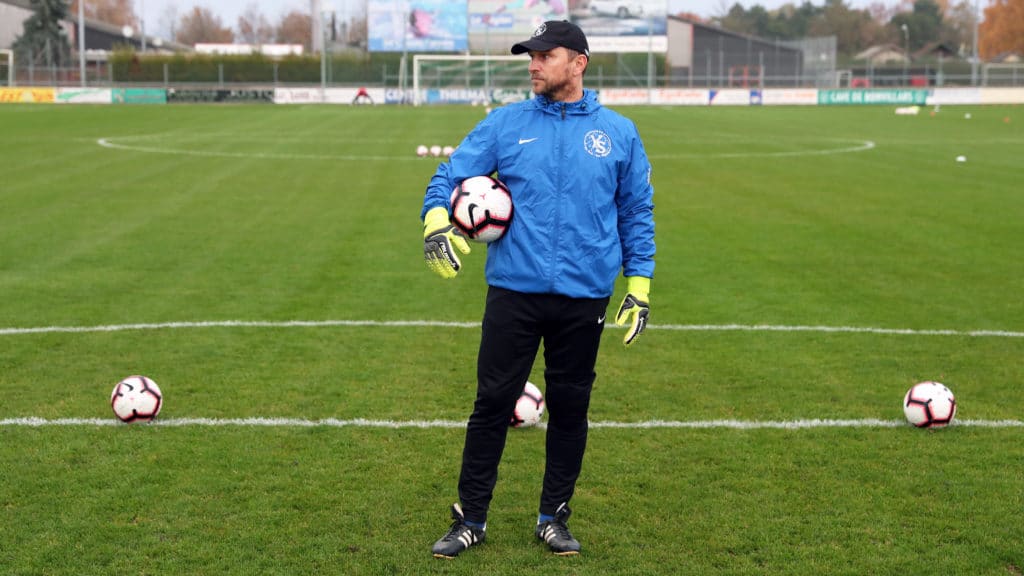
157,13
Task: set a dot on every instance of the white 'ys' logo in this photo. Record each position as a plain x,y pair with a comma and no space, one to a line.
540,30
597,143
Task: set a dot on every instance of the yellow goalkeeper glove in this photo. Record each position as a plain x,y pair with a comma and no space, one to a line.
439,238
635,307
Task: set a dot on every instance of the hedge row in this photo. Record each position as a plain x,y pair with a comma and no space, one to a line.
130,66
377,68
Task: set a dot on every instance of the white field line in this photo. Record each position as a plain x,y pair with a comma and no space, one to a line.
861,146
856,146
107,143
15,331
364,423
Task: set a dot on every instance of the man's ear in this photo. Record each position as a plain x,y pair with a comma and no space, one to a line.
581,63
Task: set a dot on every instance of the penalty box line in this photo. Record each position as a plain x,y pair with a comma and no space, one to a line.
13,331
801,424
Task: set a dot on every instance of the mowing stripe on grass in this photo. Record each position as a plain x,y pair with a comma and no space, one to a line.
365,423
438,324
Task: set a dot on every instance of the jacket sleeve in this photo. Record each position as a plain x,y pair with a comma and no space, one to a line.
635,205
475,156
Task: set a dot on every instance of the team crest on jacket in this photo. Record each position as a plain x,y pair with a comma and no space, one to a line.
597,143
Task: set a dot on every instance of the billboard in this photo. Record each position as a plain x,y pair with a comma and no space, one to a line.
604,21
417,25
515,17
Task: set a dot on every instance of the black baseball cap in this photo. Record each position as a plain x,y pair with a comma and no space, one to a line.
552,34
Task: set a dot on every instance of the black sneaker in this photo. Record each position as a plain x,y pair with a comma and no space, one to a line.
557,535
459,537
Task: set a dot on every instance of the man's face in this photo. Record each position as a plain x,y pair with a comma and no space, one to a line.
556,74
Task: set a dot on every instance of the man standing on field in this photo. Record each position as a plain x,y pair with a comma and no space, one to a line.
581,184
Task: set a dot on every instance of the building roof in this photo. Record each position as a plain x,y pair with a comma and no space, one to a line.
732,34
882,53
98,34
935,49
1008,57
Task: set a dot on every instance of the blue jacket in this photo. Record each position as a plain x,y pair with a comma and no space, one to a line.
581,187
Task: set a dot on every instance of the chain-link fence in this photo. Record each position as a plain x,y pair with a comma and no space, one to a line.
810,63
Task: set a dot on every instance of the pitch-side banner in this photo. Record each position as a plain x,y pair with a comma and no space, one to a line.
27,95
872,96
516,17
417,26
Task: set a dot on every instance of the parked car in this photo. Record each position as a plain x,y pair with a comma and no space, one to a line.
617,8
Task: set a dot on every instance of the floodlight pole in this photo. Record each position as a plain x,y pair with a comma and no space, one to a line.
142,23
906,50
81,41
974,47
650,58
487,54
323,60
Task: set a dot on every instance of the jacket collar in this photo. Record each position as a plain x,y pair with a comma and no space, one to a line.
586,105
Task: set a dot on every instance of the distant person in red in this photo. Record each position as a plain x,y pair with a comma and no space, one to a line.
361,96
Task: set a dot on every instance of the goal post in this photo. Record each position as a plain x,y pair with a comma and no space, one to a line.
1002,74
7,60
472,72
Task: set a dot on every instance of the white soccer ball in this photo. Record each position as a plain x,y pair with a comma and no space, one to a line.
929,405
422,150
435,150
447,150
136,399
481,208
529,407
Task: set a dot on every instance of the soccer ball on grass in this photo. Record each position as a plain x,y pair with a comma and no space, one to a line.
136,399
529,407
481,208
929,405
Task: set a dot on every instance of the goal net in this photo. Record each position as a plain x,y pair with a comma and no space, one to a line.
471,77
6,68
1009,74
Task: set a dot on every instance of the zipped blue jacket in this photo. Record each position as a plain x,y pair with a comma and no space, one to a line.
581,187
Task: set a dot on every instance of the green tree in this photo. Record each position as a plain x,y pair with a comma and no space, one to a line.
43,40
924,24
958,26
853,29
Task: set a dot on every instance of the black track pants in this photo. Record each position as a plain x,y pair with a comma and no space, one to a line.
514,326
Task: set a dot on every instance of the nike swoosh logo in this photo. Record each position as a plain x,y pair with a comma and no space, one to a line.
526,140
601,319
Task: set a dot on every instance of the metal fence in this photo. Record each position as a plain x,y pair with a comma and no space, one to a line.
608,74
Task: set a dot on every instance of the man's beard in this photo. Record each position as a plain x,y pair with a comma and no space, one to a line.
553,91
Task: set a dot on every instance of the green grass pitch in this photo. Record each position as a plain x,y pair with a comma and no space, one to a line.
813,263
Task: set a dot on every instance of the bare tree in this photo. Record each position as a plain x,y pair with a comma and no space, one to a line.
117,12
356,34
201,25
296,28
253,26
959,23
168,22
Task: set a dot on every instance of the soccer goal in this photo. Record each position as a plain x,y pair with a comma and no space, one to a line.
7,67
468,72
1008,74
